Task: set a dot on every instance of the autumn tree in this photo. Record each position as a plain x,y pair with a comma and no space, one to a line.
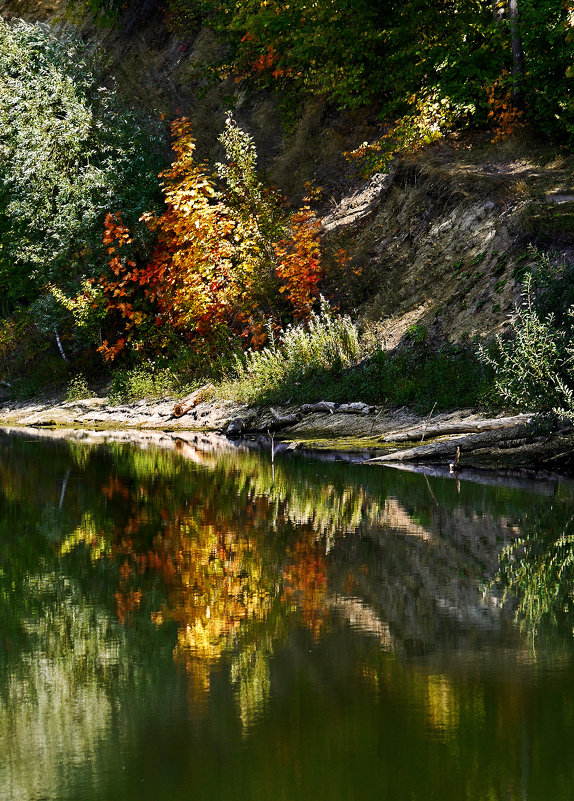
229,262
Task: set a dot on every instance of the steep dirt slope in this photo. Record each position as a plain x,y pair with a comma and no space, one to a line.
445,239
171,76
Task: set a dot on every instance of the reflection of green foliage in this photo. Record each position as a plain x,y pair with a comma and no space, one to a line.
124,518
251,676
90,535
537,570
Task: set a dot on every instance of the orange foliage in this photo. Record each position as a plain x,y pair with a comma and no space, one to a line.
196,286
212,268
265,61
127,290
299,265
213,272
506,118
306,582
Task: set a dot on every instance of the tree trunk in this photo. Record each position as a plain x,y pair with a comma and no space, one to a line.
59,342
517,55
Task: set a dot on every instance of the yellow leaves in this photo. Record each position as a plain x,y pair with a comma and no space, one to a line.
217,269
87,533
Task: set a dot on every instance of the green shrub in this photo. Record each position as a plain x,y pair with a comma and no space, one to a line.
326,361
389,54
77,388
534,368
326,343
143,381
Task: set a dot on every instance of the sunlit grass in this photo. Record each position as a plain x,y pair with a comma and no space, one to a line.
328,342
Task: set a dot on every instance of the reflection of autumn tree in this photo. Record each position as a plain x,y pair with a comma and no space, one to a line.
219,583
197,560
306,581
226,564
205,560
217,568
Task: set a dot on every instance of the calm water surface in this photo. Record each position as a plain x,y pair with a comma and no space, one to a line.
187,624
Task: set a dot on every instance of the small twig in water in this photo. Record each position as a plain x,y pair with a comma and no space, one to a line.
427,422
453,466
272,457
433,496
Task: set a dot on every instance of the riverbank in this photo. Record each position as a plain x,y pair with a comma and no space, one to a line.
383,435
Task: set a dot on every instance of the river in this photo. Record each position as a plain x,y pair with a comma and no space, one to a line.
195,622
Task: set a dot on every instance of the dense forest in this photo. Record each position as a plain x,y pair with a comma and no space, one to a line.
129,262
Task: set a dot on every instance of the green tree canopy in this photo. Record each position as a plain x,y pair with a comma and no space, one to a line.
69,152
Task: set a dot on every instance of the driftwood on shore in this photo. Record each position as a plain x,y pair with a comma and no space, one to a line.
509,437
189,403
340,408
283,420
321,406
275,420
425,430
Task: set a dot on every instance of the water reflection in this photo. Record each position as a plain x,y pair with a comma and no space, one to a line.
160,607
537,568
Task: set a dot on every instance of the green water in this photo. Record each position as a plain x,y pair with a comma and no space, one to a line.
186,623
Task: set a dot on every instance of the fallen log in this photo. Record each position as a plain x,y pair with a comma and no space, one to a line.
341,408
189,403
282,420
241,426
355,408
446,429
467,443
321,406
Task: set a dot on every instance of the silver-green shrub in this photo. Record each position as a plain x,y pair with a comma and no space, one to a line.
70,150
534,368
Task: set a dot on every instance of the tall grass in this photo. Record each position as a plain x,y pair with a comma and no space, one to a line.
143,381
327,342
325,360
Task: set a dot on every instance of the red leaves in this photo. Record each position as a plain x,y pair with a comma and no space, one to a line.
265,61
213,272
299,265
193,245
110,352
505,117
115,234
125,300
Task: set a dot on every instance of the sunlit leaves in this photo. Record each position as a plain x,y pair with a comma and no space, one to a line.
229,262
299,266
